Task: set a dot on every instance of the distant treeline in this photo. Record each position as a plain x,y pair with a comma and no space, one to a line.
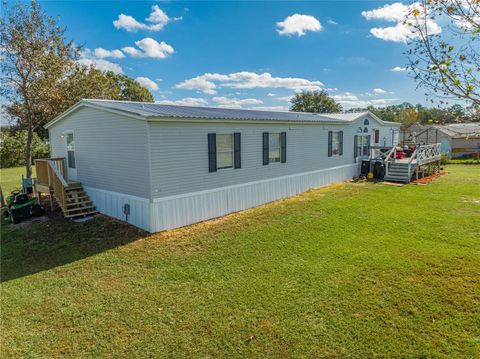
408,114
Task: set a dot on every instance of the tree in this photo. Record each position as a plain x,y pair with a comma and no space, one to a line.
12,146
128,89
446,63
35,59
314,101
41,77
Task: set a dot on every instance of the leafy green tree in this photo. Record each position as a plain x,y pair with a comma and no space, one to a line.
314,101
446,63
41,77
128,89
12,146
35,60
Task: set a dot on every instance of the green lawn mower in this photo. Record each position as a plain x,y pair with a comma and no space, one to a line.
21,206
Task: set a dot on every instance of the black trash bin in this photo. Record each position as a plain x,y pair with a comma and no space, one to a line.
365,168
378,170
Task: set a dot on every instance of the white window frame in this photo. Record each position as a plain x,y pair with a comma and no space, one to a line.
230,150
335,143
362,145
66,134
279,149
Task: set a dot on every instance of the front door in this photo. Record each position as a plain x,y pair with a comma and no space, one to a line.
71,160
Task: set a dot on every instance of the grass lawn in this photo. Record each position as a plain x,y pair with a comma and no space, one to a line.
352,270
11,178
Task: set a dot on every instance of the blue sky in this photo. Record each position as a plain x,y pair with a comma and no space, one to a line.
248,54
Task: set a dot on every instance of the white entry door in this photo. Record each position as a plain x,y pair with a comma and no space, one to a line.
71,160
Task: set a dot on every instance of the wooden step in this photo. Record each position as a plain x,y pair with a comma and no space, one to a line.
70,210
81,214
74,198
85,203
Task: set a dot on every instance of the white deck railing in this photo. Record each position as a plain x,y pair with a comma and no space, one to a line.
428,153
423,154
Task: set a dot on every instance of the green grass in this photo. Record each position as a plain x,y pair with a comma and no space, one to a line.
11,178
463,161
352,270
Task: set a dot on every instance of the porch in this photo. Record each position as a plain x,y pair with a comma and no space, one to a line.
424,160
52,179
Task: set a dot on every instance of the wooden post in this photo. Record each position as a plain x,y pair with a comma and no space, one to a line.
2,199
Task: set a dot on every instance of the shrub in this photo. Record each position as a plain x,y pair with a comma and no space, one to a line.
12,148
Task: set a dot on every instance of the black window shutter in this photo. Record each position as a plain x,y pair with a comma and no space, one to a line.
237,161
355,147
283,144
265,148
212,152
330,140
340,137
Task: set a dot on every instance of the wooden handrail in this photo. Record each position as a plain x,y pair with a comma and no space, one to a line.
386,161
51,173
41,168
57,184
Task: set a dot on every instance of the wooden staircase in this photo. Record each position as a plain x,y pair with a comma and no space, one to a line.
399,172
77,202
69,195
402,170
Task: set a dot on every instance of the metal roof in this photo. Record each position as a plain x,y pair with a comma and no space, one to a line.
159,110
461,129
151,111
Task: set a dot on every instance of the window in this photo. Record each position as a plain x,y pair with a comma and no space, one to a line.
224,151
335,143
366,122
362,145
273,147
70,150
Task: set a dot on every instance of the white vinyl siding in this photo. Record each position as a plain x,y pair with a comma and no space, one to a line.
179,154
111,150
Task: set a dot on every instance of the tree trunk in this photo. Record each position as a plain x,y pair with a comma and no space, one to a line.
28,151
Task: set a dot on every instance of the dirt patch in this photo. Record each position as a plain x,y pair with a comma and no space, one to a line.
428,179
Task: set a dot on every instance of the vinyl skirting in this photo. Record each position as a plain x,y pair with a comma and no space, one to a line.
177,211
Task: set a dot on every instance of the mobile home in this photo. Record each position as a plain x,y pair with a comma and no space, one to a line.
165,166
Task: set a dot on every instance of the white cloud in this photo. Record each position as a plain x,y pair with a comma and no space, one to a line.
187,101
198,83
209,82
149,48
270,94
379,90
147,83
332,22
284,98
349,101
398,69
101,64
102,53
157,21
236,102
297,24
398,12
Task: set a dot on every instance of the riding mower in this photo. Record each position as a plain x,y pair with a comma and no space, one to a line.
22,206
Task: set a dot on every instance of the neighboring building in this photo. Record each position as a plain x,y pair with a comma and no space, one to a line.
457,139
177,165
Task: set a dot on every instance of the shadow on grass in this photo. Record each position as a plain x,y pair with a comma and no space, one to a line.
42,246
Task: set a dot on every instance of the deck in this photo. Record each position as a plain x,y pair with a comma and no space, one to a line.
424,158
69,195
